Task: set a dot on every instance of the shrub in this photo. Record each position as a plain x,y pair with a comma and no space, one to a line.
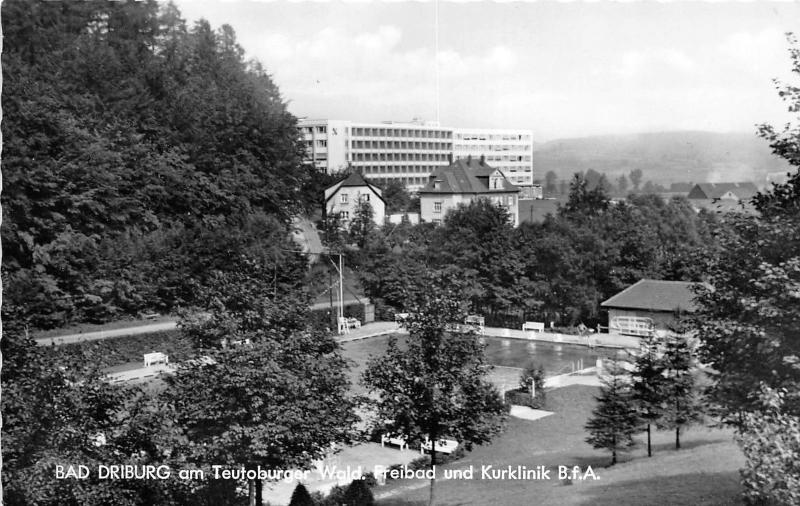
301,497
523,398
770,441
359,494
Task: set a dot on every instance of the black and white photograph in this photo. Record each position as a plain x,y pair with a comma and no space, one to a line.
400,253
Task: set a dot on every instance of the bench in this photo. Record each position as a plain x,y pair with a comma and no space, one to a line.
400,318
395,440
345,324
155,358
150,316
475,321
535,326
442,446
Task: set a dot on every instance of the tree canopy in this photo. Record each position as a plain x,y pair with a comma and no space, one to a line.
133,147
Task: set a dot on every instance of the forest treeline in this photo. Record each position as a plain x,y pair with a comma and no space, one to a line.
559,270
140,154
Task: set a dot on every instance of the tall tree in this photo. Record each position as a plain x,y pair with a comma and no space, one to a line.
615,419
649,383
622,183
550,180
636,178
434,385
681,407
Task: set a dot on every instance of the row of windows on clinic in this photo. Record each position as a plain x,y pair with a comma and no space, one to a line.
506,158
311,129
407,181
401,132
399,169
479,148
436,146
493,137
400,157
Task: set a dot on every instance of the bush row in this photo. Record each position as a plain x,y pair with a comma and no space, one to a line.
521,397
125,349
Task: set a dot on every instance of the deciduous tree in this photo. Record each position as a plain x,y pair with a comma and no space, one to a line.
434,385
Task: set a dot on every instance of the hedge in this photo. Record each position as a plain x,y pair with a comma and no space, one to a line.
523,398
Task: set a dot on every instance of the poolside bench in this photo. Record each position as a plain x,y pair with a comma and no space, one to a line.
442,446
345,324
535,326
398,440
155,358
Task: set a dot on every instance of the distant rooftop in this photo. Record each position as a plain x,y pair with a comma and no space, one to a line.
655,295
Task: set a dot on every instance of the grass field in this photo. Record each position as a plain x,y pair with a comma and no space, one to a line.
704,472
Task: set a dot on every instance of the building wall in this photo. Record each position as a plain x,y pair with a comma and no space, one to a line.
410,152
510,151
354,195
430,212
661,319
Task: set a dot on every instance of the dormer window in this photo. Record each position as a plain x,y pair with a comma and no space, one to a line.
437,184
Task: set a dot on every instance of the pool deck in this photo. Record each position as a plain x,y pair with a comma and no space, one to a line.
591,340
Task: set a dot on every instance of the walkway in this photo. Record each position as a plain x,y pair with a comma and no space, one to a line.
106,334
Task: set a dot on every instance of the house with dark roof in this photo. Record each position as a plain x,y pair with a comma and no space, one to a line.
649,305
723,197
344,197
723,191
463,181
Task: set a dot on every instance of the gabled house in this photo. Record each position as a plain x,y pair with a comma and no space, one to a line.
463,181
649,305
344,197
723,191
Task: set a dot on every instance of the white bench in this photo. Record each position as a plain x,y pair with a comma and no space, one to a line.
400,441
535,326
476,322
400,318
442,446
345,324
155,358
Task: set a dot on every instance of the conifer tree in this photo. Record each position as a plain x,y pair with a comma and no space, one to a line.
301,497
615,419
680,398
649,384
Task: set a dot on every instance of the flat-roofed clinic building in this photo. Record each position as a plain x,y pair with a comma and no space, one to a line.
510,151
410,152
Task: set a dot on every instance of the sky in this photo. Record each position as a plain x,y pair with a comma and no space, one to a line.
559,69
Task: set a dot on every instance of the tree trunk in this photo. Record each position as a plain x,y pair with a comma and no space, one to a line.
613,456
251,493
677,437
649,450
432,499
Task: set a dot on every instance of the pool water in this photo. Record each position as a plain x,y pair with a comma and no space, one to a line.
554,358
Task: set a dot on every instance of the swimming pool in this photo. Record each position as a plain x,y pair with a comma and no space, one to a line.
554,358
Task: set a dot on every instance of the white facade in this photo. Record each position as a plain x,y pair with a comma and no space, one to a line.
510,151
344,200
410,152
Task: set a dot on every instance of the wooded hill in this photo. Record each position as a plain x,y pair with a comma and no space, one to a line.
663,157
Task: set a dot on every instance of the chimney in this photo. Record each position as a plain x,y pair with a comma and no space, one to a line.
469,159
450,158
483,160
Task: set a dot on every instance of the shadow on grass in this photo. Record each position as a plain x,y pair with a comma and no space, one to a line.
701,489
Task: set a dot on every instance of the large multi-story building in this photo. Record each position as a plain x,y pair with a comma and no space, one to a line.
411,152
510,151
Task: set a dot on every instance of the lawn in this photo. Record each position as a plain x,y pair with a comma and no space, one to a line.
705,471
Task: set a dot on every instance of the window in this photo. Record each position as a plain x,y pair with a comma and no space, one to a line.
343,198
437,207
345,215
365,197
